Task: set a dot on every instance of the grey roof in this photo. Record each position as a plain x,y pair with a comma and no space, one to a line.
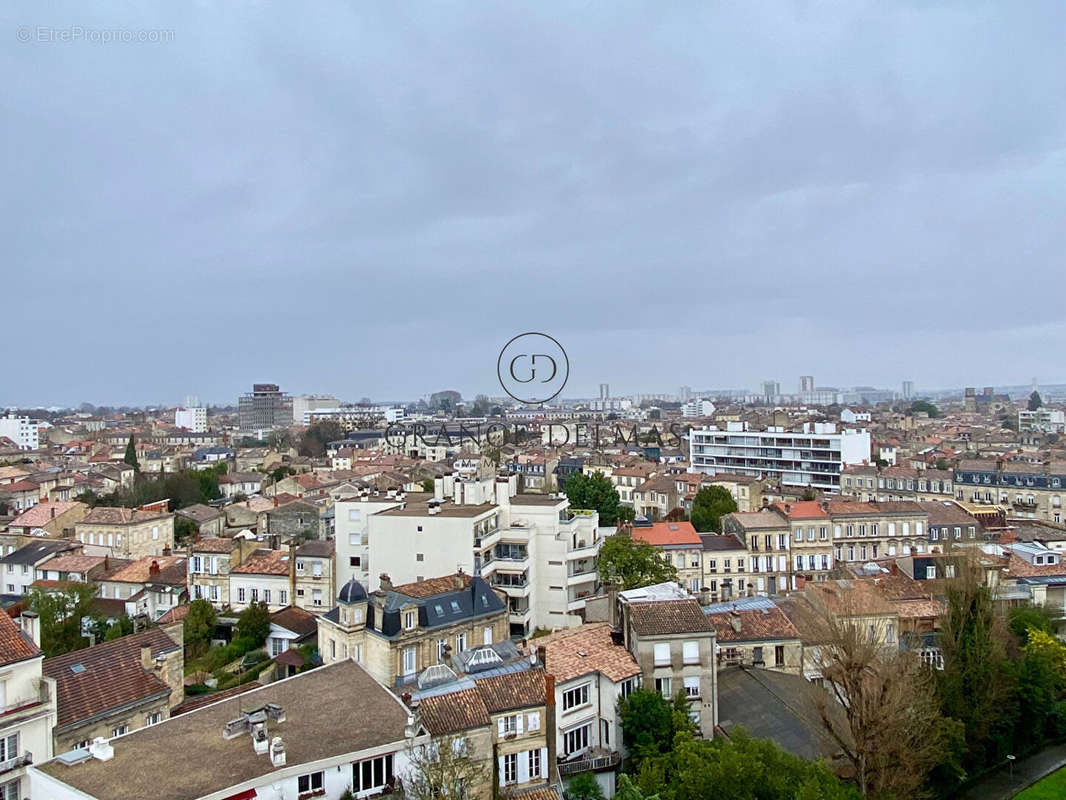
35,552
351,592
774,705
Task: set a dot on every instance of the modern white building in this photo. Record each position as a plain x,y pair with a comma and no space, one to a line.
1048,420
697,408
21,430
538,551
304,403
814,456
192,419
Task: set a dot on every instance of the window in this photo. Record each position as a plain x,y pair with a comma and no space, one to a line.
316,569
578,696
534,763
374,773
240,594
691,653
277,647
255,595
662,686
576,740
266,596
409,661
153,719
155,531
508,725
662,654
799,534
930,573
121,730
315,783
692,686
533,721
460,642
712,566
756,655
283,596
823,533
510,769
408,620
9,747
779,655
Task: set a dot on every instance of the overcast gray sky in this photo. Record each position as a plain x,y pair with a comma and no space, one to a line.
372,198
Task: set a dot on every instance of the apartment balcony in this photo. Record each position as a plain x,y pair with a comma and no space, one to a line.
15,763
487,538
28,706
596,759
1025,503
577,603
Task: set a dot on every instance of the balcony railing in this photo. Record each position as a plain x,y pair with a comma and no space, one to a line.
14,763
595,760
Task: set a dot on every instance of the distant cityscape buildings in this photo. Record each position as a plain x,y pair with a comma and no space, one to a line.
21,430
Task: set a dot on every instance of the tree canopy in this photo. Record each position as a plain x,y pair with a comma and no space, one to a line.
1035,400
254,623
131,454
60,614
709,506
594,492
200,626
920,406
630,564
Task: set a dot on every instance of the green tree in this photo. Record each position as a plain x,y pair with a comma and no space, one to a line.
919,406
1024,619
742,768
131,455
626,790
316,437
942,464
427,484
709,505
184,528
480,407
123,626
583,786
60,614
200,626
1035,400
254,623
650,722
595,492
630,564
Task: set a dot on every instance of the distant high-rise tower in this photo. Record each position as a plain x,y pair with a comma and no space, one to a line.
685,394
908,390
265,408
806,384
192,401
605,391
770,390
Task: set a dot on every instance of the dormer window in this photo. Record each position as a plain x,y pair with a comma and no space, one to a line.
408,620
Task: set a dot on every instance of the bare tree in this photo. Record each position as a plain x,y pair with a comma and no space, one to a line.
444,770
880,707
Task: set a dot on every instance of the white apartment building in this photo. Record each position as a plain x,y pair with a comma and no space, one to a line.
192,419
697,408
814,456
533,547
304,403
21,430
1048,420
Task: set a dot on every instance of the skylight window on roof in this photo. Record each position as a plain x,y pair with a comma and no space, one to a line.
455,606
77,669
438,610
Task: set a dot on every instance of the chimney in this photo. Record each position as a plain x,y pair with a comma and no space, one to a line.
153,568
101,750
146,656
53,510
459,576
31,624
549,690
277,752
801,581
275,501
788,508
385,581
542,655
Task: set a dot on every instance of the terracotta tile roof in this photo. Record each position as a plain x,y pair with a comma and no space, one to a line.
20,486
755,625
41,514
107,515
662,534
917,609
1021,568
432,586
536,793
112,676
717,542
176,614
578,651
172,569
454,712
803,509
302,623
662,617
946,513
14,644
264,562
850,598
214,544
513,690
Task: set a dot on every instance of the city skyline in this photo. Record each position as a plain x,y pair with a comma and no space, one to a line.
686,206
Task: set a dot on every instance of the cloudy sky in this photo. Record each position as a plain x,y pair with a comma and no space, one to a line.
372,198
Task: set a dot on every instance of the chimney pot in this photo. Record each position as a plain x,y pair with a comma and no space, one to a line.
146,656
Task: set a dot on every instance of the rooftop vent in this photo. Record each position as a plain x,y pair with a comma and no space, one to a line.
101,750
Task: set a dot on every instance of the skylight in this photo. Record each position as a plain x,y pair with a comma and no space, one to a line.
77,669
